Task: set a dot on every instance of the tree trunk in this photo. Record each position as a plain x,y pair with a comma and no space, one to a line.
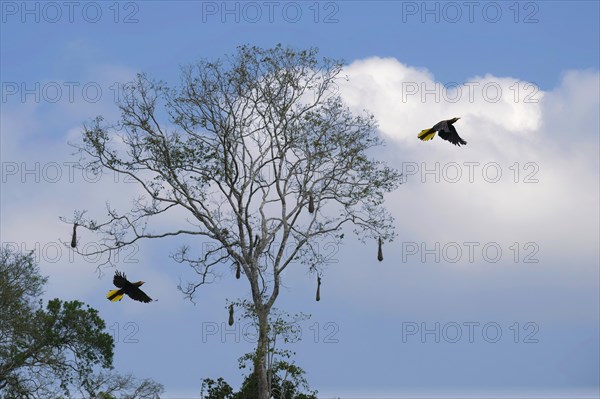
260,366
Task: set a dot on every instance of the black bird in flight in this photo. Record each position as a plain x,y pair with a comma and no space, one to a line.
126,288
445,130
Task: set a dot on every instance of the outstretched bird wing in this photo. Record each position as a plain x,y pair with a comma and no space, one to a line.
138,295
120,280
450,134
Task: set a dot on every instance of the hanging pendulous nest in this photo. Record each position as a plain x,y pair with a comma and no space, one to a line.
380,252
318,289
311,203
74,236
231,314
238,271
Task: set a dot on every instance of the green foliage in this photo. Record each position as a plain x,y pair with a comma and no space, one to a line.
53,351
61,343
287,379
288,387
73,333
20,284
216,389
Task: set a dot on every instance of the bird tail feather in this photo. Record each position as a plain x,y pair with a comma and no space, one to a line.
115,295
426,134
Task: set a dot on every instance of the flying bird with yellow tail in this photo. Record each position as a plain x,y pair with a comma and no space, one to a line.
132,290
445,130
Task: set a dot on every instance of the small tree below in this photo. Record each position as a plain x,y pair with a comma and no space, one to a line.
54,351
286,379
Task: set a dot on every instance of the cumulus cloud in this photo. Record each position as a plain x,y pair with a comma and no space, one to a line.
530,170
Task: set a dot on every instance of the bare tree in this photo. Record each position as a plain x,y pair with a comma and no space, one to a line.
244,145
112,385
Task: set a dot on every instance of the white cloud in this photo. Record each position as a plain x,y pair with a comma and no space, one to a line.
538,139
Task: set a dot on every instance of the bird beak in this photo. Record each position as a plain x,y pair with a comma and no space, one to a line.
458,118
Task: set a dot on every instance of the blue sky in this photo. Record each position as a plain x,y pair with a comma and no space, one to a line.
545,147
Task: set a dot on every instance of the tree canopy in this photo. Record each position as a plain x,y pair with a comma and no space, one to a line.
57,349
260,153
